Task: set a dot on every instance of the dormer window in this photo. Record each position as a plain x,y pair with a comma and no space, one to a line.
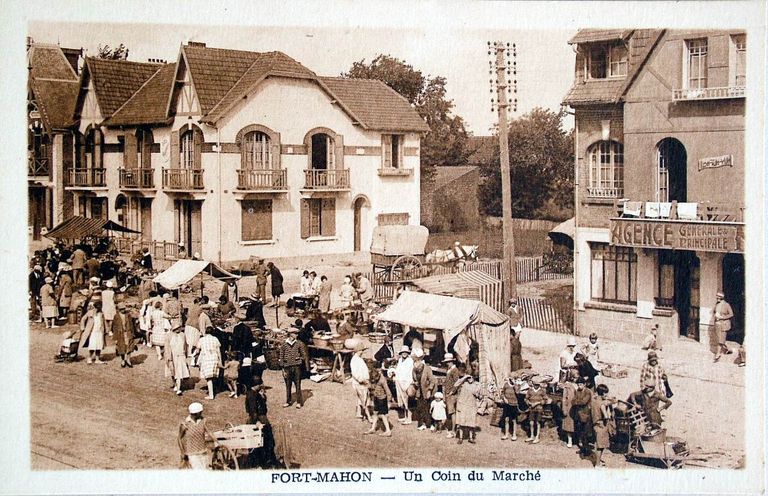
604,61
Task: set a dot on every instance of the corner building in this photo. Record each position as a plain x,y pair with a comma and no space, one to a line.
660,163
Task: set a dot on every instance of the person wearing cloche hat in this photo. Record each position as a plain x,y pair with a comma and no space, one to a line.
438,411
48,303
193,434
403,376
108,304
650,401
567,358
653,372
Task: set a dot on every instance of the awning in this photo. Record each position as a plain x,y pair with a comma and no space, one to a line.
183,271
80,227
472,285
598,35
563,233
399,240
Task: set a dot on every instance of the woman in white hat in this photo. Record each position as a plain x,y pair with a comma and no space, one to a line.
193,433
567,358
93,327
108,304
403,381
48,302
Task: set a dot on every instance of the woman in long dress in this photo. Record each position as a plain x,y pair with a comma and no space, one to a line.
468,392
93,327
324,291
176,358
48,303
159,323
65,294
209,360
403,379
108,304
123,330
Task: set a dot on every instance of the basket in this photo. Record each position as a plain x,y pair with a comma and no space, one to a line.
272,357
337,344
320,342
377,337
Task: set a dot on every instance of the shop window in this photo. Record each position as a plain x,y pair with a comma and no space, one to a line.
318,217
613,273
257,220
665,287
392,150
738,59
696,64
606,61
606,169
256,151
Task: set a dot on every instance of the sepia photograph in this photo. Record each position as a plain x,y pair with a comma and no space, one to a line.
415,254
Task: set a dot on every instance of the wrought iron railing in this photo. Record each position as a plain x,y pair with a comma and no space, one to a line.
709,93
262,179
88,177
137,178
38,167
326,179
183,179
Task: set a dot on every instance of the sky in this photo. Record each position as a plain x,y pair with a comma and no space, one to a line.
544,58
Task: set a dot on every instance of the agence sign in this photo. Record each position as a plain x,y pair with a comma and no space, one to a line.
676,235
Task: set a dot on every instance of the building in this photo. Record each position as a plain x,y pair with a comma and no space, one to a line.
237,154
52,89
450,202
659,118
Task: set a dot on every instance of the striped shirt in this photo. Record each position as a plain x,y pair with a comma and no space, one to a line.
291,354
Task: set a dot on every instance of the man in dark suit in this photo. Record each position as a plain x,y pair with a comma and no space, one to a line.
36,281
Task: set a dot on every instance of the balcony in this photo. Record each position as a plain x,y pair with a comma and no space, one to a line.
88,178
183,179
605,192
326,179
686,94
37,167
137,178
262,180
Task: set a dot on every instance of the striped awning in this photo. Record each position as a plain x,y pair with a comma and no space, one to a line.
80,227
471,285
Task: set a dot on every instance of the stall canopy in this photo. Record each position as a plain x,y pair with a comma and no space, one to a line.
80,227
487,326
472,285
181,272
563,233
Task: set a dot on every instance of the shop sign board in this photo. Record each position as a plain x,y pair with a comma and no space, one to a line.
715,162
676,235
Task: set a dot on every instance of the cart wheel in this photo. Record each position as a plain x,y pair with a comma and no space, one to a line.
224,459
405,268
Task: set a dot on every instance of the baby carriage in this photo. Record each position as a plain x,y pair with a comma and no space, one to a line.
67,352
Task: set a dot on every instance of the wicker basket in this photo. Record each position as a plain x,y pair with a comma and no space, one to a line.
337,344
377,337
320,342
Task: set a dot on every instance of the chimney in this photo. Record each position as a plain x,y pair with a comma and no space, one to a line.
198,44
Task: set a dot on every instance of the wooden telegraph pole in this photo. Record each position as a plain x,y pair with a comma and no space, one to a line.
505,85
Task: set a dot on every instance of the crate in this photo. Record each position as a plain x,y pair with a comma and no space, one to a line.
245,436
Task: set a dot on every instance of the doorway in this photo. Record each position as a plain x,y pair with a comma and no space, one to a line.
672,171
37,210
357,206
687,283
188,224
733,289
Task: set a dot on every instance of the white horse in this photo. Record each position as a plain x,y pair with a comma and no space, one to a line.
458,253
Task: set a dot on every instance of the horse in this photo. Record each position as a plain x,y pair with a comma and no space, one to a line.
467,252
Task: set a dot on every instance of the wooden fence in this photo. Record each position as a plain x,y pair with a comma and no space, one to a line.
160,250
529,269
538,314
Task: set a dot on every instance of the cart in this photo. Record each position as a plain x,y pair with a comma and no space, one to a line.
649,443
235,443
398,252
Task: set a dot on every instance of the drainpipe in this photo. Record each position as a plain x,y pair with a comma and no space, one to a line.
220,193
575,224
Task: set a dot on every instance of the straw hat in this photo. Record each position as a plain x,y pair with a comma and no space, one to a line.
404,349
195,408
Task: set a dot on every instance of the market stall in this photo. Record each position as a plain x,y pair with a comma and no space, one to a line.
471,285
183,271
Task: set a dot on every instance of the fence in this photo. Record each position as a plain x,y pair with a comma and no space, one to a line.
529,269
545,316
160,250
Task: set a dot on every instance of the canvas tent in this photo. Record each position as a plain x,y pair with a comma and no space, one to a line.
81,227
183,271
471,284
399,240
488,327
563,233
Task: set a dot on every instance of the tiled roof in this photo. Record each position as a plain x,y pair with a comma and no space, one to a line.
148,105
376,105
266,64
483,149
595,91
48,61
56,100
446,174
115,81
594,35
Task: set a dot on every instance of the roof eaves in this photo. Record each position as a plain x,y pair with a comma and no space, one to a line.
173,84
107,121
214,115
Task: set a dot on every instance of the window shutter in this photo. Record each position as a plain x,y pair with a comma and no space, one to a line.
97,150
386,143
328,217
198,141
177,216
264,219
130,158
338,151
175,150
304,219
274,151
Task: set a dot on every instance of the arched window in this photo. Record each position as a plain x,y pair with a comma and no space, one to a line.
606,169
256,151
187,150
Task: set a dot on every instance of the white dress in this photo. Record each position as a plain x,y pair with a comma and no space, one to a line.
108,304
96,338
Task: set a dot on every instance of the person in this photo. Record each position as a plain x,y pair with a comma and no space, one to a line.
586,370
451,377
292,356
123,330
304,337
108,304
305,284
193,437
176,358
256,408
536,397
403,378
92,266
382,397
438,412
515,317
741,356
509,408
345,329
78,265
582,415
567,358
147,285
723,317
160,326
107,269
347,292
229,291
567,425
365,292
467,394
324,292
182,253
64,294
231,373
261,280
48,302
226,307
172,307
191,327
146,259
651,341
93,326
277,283
209,360
515,350
317,323
386,352
426,384
602,422
36,282
315,283
651,402
242,339
360,385
591,351
652,371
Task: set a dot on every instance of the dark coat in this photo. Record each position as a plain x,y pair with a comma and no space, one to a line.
123,330
515,353
36,281
277,281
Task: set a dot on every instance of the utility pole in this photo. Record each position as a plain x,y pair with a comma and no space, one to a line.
505,86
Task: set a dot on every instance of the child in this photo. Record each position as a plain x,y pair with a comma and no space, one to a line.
602,422
231,373
591,350
569,389
651,341
438,411
536,398
509,409
382,397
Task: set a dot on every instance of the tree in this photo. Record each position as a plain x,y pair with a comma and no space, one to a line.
541,163
119,53
446,142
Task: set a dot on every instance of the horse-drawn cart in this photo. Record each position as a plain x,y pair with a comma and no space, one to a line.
397,252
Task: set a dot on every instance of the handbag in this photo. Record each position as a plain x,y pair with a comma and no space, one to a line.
668,390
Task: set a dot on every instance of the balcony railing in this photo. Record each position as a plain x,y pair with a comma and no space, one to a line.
709,93
690,211
88,177
260,180
183,179
137,178
605,192
38,167
326,179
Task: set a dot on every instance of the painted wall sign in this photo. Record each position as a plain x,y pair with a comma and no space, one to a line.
724,238
715,162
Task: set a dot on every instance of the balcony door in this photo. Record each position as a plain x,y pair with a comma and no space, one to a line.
188,224
671,171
